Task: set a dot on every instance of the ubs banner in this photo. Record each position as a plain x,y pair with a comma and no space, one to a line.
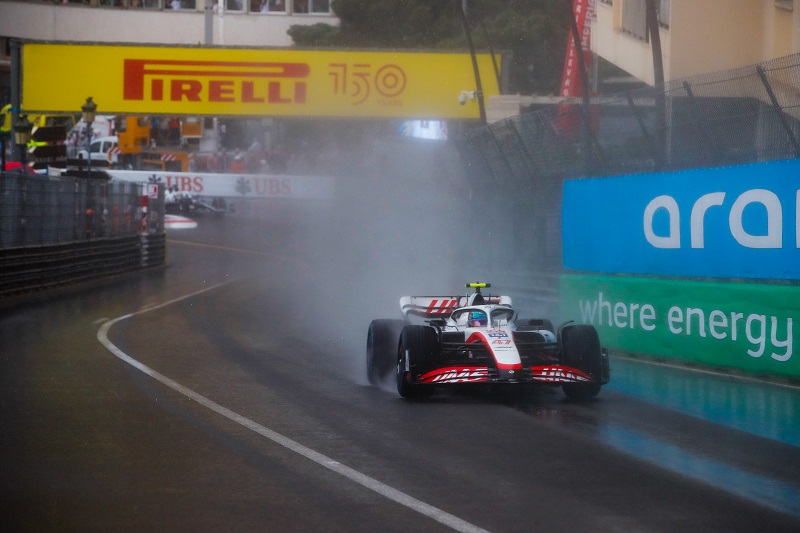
236,81
738,222
236,186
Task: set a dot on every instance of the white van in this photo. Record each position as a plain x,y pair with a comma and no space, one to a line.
100,148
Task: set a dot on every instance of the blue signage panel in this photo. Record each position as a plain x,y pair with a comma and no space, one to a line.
726,222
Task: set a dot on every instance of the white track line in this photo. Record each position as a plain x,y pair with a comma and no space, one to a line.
370,483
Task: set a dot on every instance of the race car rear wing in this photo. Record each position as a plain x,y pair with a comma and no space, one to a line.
442,306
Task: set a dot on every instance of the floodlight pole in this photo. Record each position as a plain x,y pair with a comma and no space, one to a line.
16,87
209,22
88,112
476,71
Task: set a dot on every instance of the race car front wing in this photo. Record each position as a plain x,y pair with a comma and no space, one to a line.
553,374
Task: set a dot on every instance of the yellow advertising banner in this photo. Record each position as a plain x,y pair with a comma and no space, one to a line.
143,80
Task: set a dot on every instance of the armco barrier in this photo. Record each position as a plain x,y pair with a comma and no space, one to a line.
36,268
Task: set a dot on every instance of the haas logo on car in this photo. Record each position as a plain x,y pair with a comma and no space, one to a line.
558,374
456,375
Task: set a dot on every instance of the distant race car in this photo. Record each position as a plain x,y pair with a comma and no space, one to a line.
478,338
179,202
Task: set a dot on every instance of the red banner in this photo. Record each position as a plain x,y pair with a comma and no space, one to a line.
571,80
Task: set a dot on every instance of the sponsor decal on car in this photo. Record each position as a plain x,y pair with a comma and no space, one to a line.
441,308
559,374
456,375
505,354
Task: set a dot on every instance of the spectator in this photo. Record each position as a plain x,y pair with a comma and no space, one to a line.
255,153
212,162
222,164
223,130
238,164
279,160
163,131
154,124
174,130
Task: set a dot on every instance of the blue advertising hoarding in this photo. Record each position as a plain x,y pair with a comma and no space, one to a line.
725,222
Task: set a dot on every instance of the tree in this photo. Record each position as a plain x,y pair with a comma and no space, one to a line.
532,30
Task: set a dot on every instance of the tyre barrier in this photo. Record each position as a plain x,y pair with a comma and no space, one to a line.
37,268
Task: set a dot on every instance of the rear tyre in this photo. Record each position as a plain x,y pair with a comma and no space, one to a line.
383,337
580,348
418,348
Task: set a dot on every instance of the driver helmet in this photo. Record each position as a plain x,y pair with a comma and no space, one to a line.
477,319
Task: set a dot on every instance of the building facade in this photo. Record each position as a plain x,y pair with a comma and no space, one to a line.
179,22
696,36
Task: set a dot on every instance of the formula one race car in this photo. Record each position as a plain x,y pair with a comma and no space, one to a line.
478,338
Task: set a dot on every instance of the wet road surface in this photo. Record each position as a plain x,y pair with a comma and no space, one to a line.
264,420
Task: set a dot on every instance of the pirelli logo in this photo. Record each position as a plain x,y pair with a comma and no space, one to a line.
167,80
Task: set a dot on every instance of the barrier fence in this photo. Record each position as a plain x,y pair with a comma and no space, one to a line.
38,210
55,231
731,117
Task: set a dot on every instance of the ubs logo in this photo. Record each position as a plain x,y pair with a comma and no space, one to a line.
215,81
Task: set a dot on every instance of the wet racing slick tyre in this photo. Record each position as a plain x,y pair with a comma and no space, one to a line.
383,338
418,348
580,348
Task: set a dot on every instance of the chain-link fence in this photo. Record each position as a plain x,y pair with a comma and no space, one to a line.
40,210
732,117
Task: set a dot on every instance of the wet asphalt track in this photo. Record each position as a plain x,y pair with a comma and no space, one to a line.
301,443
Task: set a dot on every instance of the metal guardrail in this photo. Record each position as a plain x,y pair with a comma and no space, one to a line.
45,267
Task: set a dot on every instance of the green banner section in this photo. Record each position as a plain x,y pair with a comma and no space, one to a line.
743,326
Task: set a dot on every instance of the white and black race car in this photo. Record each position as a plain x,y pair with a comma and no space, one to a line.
478,338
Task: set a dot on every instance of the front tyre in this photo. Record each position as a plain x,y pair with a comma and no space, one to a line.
581,391
382,339
580,348
418,347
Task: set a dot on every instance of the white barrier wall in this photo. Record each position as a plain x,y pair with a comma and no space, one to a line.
236,186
